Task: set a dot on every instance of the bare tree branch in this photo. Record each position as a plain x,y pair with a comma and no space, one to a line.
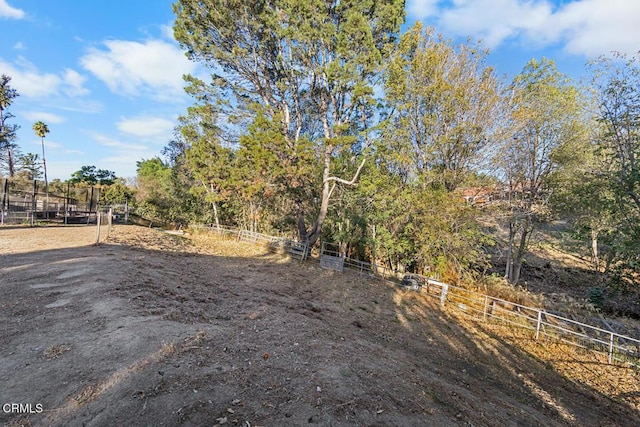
344,181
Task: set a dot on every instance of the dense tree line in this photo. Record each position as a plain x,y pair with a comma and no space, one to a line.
321,120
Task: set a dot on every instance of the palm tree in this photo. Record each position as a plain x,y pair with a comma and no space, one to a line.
42,130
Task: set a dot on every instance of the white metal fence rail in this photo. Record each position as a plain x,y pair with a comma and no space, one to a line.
615,347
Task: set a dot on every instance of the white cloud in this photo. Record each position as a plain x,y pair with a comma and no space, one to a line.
145,127
107,141
82,106
45,117
167,31
77,152
582,27
596,27
32,83
422,9
73,83
493,21
153,68
7,11
48,144
121,156
19,46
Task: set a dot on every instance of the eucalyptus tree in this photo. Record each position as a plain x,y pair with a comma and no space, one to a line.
8,146
547,117
305,65
41,129
446,111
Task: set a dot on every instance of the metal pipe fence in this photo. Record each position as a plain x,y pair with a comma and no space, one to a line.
617,348
30,201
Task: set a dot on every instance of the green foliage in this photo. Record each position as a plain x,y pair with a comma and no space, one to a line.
415,225
92,176
9,151
116,193
58,187
302,70
447,107
547,121
160,196
598,188
31,165
41,129
617,82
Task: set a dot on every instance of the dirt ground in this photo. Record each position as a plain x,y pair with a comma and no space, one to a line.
155,329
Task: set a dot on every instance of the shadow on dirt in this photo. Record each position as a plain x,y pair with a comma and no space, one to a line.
120,334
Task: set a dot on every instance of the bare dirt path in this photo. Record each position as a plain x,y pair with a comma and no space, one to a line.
153,329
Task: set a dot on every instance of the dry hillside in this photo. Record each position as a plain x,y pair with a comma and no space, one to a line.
154,329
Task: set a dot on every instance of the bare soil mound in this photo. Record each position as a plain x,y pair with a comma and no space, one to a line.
156,329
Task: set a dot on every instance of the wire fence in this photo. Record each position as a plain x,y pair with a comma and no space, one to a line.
616,347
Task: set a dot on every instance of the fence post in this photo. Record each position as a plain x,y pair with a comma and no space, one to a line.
110,222
443,294
97,228
486,305
611,349
539,323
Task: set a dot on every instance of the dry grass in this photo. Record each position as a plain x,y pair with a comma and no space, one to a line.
588,368
619,383
54,351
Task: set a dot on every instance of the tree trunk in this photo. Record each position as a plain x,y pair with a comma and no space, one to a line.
373,250
508,269
594,250
10,161
215,215
44,166
215,206
311,236
518,259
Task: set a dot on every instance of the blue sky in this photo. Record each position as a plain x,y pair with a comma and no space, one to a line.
106,76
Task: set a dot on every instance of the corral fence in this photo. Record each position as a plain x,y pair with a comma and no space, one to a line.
104,223
30,201
615,347
332,258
